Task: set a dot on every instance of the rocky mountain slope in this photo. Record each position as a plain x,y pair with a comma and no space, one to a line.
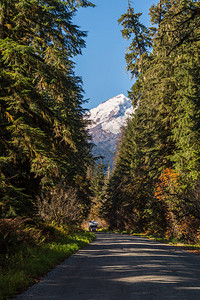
106,120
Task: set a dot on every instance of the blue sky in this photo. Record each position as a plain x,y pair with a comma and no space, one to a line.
102,65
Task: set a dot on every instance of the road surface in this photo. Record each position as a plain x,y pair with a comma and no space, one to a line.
121,267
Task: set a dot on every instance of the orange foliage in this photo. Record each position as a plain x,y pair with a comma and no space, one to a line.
168,183
180,224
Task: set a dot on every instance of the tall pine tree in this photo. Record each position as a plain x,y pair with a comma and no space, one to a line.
157,171
42,128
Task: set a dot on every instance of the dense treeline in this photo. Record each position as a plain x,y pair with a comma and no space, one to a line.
155,186
44,148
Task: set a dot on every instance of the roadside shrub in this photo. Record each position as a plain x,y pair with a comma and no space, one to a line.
13,232
60,205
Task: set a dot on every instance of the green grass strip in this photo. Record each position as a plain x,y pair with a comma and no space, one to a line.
28,264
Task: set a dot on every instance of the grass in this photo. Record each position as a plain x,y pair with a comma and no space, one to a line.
26,264
173,242
195,248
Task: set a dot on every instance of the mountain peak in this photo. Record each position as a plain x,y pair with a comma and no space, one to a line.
111,114
106,121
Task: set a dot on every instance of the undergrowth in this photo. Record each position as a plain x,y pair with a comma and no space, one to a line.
30,250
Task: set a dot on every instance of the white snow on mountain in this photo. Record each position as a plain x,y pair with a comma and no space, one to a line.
111,114
106,121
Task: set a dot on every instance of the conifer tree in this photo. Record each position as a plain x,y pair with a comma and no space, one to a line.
98,186
42,129
140,39
164,132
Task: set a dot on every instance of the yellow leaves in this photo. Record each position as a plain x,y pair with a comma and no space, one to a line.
9,26
42,84
44,116
57,129
168,183
27,20
9,116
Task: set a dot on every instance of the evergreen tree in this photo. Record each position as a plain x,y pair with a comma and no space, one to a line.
98,186
42,129
155,184
140,40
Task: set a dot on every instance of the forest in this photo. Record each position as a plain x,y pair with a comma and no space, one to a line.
155,186
45,148
48,176
44,145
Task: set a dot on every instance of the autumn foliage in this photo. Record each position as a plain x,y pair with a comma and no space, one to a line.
181,223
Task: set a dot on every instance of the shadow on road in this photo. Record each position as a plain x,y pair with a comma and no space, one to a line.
122,267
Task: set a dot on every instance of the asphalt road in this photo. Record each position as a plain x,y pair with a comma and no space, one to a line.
121,267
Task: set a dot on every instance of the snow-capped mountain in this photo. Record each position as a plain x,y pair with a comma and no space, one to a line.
106,120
